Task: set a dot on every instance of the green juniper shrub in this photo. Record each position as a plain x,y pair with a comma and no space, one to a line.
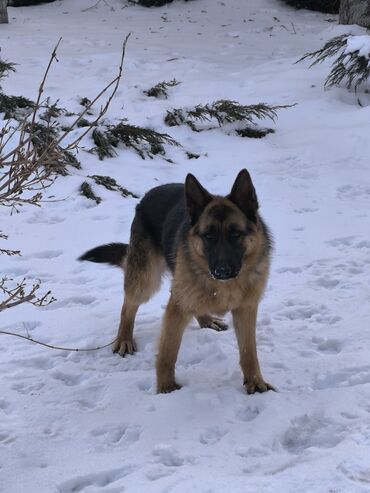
87,191
254,132
17,107
6,68
348,66
43,138
85,102
160,89
221,112
144,141
192,155
83,123
111,184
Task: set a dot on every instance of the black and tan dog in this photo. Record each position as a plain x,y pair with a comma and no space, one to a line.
218,250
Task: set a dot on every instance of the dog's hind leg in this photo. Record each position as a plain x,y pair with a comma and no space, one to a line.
210,322
143,272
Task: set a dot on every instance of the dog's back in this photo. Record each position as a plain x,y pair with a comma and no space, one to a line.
163,214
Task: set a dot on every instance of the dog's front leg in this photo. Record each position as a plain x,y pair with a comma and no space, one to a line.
244,319
174,323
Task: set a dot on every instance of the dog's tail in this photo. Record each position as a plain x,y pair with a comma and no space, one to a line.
112,253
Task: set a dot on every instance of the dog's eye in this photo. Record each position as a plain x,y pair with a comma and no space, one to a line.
209,236
235,234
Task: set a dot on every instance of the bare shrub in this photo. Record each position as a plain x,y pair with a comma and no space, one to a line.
30,155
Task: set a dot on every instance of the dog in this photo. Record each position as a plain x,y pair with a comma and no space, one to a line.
218,250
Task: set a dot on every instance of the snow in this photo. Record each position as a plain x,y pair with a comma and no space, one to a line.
360,44
91,422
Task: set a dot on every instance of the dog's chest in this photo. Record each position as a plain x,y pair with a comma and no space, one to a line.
223,297
216,298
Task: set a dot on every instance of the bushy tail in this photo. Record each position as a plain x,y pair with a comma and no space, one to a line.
113,254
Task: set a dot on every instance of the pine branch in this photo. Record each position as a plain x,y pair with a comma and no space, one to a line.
144,141
160,89
221,112
349,66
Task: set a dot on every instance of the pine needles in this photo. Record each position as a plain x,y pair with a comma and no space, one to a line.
254,133
221,112
350,66
43,139
144,141
87,191
17,107
106,182
111,184
6,68
160,89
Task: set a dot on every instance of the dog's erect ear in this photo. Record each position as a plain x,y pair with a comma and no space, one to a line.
197,197
244,195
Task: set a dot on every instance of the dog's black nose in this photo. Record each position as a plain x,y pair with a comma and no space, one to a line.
223,272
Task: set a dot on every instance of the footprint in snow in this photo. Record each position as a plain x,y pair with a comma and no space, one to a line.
38,363
363,244
357,469
345,241
95,480
353,192
15,271
169,456
28,388
289,270
5,407
311,431
299,310
247,413
146,384
71,301
327,282
123,434
158,472
69,379
212,435
345,377
305,210
330,346
39,218
6,438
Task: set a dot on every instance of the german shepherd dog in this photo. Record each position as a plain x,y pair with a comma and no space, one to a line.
218,250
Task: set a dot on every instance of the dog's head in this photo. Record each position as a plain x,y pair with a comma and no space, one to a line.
224,229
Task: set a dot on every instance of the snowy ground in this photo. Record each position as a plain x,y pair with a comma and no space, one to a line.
91,422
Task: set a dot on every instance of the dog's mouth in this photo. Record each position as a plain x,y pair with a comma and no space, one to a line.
222,274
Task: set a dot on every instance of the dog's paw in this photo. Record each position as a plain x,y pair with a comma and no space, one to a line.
214,323
168,387
257,384
123,347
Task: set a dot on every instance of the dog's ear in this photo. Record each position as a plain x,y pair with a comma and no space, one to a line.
197,197
244,195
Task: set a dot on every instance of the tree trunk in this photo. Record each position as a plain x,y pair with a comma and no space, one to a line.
355,12
4,12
